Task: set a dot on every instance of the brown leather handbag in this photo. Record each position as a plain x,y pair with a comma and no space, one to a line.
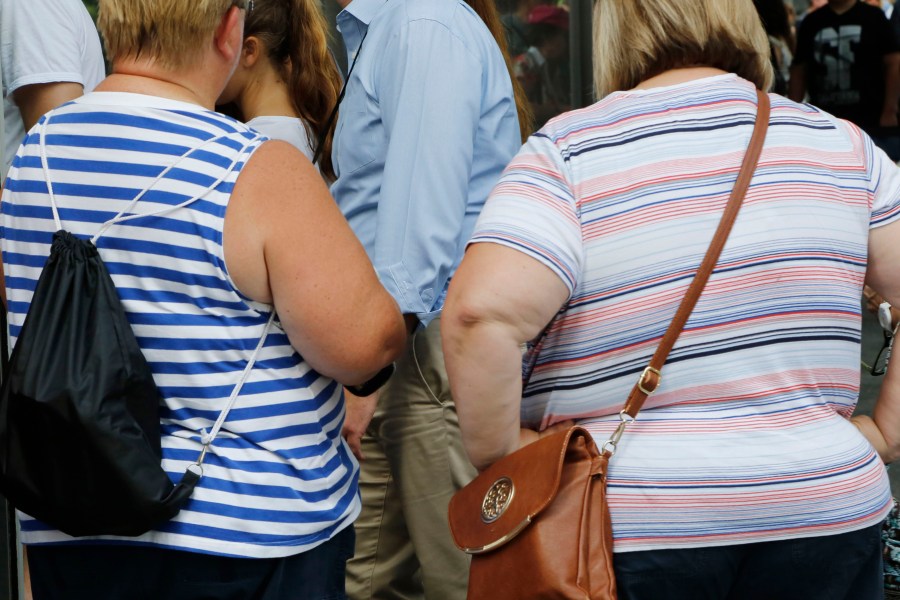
536,522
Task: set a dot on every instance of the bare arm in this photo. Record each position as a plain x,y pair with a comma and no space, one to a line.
797,85
287,243
883,428
880,427
891,90
40,98
498,299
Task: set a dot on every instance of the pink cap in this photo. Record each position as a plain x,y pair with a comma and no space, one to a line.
549,15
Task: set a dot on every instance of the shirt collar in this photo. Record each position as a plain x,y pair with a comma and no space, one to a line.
363,10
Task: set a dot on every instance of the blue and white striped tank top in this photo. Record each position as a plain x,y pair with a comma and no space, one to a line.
278,479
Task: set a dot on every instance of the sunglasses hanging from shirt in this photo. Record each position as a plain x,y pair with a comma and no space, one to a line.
320,144
889,331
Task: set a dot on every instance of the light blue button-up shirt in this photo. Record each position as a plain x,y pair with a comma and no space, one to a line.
427,126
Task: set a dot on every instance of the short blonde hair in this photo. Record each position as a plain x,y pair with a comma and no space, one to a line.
168,32
637,39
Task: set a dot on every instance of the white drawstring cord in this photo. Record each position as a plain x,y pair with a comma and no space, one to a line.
205,438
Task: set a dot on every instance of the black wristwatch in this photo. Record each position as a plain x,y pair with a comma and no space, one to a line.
371,386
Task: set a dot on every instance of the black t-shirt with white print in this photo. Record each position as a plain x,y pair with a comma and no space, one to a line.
844,56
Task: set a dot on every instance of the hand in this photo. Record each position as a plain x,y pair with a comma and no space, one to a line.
872,433
528,436
888,119
360,411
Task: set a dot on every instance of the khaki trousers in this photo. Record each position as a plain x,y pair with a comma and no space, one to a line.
414,462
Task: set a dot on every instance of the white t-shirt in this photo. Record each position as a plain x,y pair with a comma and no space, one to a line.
287,129
43,41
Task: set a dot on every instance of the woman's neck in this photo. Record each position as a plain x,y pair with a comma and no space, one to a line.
154,82
266,95
676,76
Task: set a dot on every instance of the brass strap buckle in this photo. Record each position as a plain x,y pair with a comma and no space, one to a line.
640,383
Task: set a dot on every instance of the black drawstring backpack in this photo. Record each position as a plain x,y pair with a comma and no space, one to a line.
79,409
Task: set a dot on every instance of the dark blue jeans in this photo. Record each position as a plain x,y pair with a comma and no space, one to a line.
116,572
838,567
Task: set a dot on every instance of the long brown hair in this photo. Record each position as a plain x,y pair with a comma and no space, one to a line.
487,10
295,36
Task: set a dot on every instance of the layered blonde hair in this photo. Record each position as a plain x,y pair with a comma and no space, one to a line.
168,32
638,39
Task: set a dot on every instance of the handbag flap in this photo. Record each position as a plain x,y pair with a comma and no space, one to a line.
506,497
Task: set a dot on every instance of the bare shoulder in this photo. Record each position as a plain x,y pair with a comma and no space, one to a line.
274,190
287,243
277,166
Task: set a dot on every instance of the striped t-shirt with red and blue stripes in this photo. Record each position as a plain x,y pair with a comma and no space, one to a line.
747,438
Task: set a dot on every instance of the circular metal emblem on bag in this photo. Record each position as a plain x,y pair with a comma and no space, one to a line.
497,499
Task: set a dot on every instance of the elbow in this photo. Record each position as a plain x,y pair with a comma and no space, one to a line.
376,347
393,338
459,317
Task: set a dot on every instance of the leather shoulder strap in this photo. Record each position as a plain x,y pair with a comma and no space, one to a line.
650,377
